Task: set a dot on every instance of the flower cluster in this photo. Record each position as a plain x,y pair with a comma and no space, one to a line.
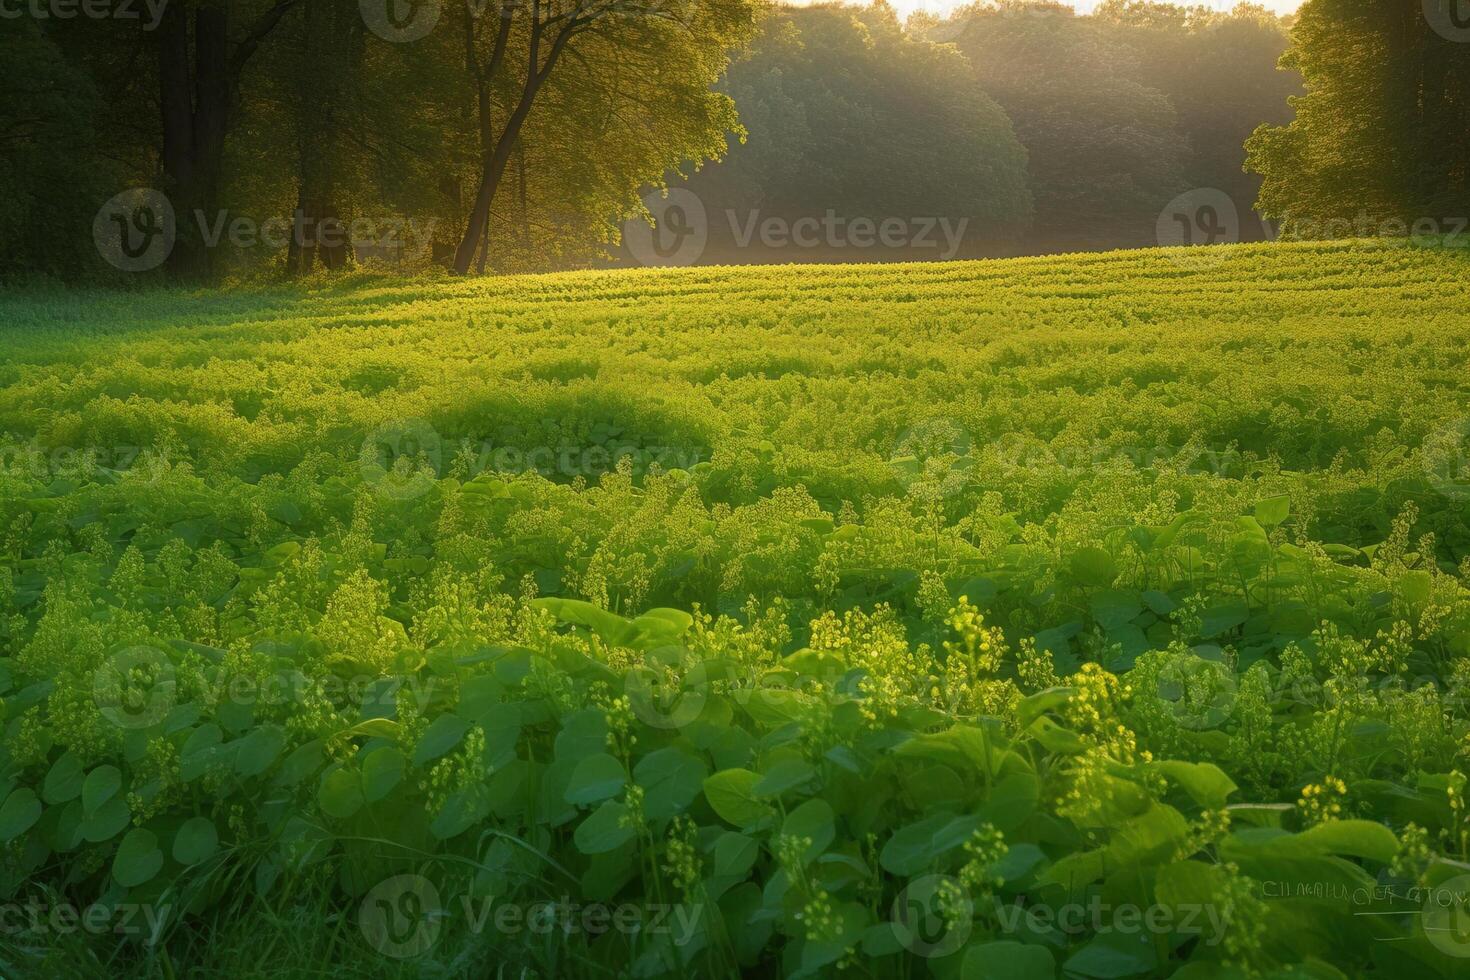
1321,802
985,848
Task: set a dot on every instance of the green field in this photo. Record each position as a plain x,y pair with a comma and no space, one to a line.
1041,596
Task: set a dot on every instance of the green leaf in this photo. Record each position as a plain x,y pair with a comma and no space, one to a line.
1114,954
198,751
605,829
1051,699
1012,801
19,813
443,734
303,761
671,779
1007,960
813,819
257,750
1055,738
1094,567
662,626
1204,781
595,779
109,821
612,628
1019,861
735,854
1273,510
382,770
461,811
64,781
138,858
731,793
916,847
196,840
1113,608
340,793
101,785
785,775
1188,884
1355,838
1149,838
374,728
1222,617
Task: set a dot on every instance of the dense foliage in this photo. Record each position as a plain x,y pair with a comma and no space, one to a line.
846,112
428,142
342,120
1140,102
1382,136
943,620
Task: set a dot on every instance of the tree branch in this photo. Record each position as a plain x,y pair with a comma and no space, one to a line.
267,23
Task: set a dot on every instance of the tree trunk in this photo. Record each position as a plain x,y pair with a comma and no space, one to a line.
328,58
497,150
189,167
197,91
493,172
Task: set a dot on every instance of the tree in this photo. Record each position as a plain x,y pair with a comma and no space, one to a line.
48,135
848,113
330,56
515,52
1106,149
1219,71
199,71
1382,136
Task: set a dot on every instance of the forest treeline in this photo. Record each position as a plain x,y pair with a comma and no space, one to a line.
1048,129
203,139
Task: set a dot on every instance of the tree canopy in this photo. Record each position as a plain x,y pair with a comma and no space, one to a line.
1381,139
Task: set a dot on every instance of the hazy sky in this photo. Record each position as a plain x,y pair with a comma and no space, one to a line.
908,6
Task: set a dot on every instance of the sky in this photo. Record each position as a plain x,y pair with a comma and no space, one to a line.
905,7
